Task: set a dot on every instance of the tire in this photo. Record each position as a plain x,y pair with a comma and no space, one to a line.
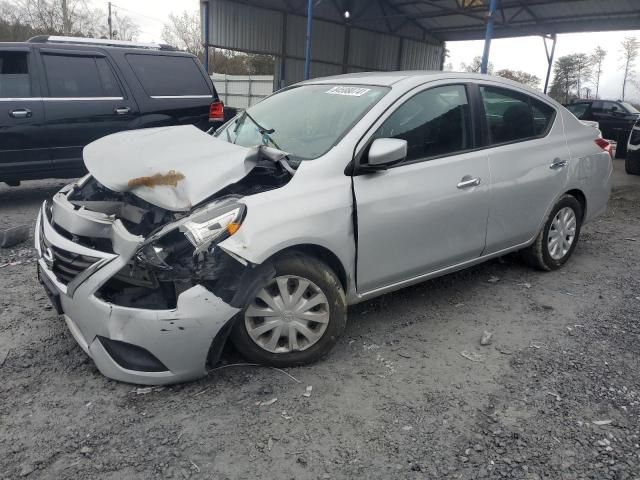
632,166
312,342
540,255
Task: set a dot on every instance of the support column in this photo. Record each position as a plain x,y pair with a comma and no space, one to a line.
307,56
554,37
206,37
488,36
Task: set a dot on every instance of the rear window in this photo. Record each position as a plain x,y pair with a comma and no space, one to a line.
78,76
168,76
14,75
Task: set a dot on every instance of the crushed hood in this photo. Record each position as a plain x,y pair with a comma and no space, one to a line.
173,168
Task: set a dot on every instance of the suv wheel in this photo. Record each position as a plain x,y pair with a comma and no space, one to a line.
632,166
557,240
295,319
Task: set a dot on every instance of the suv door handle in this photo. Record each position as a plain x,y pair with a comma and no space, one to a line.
122,110
468,182
557,164
20,113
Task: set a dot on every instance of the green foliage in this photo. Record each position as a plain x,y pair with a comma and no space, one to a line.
525,78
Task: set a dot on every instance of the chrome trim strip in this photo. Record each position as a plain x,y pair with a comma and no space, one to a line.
162,97
56,99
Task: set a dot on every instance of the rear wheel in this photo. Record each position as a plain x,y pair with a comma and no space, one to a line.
632,166
296,318
557,240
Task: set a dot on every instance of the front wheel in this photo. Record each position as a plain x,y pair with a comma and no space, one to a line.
296,318
556,242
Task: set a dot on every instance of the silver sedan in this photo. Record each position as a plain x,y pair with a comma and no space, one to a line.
323,195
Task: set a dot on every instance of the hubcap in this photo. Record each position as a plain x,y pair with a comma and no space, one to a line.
288,315
562,233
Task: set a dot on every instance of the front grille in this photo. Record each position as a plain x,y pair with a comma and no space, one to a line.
65,265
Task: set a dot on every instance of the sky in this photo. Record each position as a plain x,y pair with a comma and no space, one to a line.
525,53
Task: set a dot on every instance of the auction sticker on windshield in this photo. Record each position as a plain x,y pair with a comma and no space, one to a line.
349,91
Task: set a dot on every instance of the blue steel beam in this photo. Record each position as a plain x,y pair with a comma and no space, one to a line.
488,36
307,55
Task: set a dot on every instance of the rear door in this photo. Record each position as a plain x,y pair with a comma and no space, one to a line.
22,150
175,89
84,100
528,158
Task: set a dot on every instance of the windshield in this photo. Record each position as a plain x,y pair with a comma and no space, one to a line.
630,108
306,121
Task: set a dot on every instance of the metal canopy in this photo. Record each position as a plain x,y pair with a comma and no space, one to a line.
448,20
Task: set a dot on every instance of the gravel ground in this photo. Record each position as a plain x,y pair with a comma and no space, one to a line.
556,395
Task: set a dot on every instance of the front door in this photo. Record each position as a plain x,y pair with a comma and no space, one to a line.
430,211
22,150
85,101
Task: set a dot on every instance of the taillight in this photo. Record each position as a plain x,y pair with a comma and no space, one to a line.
216,111
604,145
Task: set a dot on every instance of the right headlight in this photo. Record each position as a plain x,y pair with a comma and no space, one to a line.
202,229
178,243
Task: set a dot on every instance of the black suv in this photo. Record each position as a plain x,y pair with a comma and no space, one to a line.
616,119
57,94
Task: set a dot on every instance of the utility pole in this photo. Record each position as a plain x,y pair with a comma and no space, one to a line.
66,28
109,22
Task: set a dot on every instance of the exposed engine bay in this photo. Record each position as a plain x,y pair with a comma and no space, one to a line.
178,252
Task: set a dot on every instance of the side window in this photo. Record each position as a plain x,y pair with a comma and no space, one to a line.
14,75
434,122
509,116
513,116
578,109
608,107
543,116
167,75
79,76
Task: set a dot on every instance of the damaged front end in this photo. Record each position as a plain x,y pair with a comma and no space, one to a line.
143,285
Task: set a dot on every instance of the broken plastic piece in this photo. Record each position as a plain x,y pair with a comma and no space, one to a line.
14,235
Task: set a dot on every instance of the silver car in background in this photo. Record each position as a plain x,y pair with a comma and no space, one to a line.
325,194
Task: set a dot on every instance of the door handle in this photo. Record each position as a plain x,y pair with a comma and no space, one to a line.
20,113
122,110
557,164
468,182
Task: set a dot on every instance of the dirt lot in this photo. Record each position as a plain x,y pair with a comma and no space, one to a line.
555,396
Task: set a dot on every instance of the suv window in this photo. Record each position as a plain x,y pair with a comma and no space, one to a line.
79,76
166,75
434,122
513,116
14,75
578,109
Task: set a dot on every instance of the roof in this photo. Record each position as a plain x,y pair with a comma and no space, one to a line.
466,19
416,77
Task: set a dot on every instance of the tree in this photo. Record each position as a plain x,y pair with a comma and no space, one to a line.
27,18
630,47
582,65
124,28
519,76
475,66
183,31
597,60
62,17
565,79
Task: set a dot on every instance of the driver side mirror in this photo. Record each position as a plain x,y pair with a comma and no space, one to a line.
386,151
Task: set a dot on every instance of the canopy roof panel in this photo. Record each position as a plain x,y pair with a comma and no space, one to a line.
466,19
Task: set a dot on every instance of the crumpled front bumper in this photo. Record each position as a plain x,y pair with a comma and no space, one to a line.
179,338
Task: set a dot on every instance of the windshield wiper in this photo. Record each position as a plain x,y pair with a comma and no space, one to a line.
265,132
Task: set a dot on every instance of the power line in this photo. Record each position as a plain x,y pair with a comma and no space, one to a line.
138,13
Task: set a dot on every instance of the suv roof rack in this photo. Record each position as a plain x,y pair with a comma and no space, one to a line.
105,42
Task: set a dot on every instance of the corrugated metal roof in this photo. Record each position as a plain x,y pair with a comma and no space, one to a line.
450,20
